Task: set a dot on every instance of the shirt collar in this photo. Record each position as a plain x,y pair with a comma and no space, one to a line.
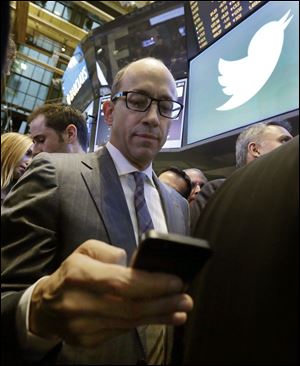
123,166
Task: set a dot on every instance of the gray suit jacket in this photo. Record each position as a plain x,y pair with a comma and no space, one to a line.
60,202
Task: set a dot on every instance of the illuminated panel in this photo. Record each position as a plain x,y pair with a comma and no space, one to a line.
249,75
213,18
174,138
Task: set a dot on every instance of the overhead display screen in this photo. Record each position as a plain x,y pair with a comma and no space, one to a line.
249,75
157,30
213,18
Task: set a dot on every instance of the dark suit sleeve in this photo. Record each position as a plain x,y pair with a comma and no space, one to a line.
197,205
28,244
246,298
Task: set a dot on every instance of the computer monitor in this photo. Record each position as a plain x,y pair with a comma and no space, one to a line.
249,75
157,30
174,139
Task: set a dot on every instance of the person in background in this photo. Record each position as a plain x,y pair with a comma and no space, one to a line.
255,141
246,308
198,179
177,179
16,154
259,139
58,128
71,223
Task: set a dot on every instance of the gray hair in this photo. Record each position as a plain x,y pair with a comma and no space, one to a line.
254,133
196,171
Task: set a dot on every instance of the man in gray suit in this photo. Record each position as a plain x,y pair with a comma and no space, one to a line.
68,227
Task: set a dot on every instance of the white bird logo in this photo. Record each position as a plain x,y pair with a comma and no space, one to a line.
243,78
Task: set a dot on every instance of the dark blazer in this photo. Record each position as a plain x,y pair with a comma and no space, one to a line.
61,201
246,298
197,205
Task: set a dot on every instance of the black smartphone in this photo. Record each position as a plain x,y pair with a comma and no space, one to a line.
177,254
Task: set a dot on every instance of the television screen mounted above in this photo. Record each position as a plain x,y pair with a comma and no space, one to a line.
249,75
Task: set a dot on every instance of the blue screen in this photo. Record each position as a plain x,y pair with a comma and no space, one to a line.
249,75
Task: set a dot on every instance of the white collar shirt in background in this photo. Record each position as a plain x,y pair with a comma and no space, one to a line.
124,169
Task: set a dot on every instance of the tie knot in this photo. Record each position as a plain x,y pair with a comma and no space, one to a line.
139,178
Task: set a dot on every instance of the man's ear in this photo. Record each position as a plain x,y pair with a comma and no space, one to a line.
253,150
108,108
71,133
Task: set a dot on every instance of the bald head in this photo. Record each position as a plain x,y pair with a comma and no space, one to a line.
145,65
177,181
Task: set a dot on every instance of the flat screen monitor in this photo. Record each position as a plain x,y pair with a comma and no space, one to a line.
212,19
249,75
174,139
157,30
102,129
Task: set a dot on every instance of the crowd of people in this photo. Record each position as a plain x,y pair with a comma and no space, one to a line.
72,220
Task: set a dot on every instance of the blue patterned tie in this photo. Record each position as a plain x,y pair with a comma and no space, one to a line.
155,334
142,213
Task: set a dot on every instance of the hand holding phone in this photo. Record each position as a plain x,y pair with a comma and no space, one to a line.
176,254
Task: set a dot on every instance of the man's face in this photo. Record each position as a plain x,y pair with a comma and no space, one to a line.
140,135
46,139
197,182
273,137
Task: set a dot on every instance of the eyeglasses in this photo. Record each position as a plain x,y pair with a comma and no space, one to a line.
141,103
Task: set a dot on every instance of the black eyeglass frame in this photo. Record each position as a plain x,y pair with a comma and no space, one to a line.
125,93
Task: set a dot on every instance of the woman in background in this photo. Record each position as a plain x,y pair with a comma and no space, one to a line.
16,154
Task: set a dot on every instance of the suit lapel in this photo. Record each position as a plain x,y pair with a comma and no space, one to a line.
166,202
176,220
105,188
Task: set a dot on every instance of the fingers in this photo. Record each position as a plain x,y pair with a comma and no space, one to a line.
137,284
115,311
132,313
103,252
91,293
81,271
